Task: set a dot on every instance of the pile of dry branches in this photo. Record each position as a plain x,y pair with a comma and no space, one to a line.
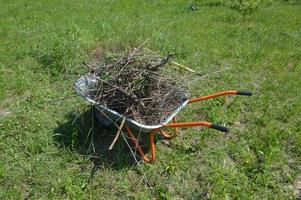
135,85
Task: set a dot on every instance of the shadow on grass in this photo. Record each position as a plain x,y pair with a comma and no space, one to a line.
85,135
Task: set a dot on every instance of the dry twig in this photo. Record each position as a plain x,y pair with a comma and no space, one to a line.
117,134
136,81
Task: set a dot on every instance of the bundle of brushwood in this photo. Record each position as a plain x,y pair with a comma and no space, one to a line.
135,84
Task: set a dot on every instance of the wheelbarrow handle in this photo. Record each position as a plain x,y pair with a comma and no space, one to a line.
244,92
219,127
198,123
223,93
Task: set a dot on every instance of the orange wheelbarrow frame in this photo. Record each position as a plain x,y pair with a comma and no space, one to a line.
177,125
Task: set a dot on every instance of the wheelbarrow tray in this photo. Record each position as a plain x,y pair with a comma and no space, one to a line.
86,83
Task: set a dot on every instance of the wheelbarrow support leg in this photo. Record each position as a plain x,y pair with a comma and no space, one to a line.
166,135
138,147
174,120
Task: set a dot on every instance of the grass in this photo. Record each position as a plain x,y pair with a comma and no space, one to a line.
42,45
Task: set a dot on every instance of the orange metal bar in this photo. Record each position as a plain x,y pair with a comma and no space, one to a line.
188,124
165,135
140,151
174,120
134,140
227,92
152,146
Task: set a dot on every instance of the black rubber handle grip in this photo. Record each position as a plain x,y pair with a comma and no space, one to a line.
219,127
244,92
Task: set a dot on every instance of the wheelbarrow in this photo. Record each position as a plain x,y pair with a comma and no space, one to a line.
86,83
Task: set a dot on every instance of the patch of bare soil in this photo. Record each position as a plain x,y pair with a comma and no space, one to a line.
297,185
4,112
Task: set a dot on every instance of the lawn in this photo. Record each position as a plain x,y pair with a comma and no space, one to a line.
46,140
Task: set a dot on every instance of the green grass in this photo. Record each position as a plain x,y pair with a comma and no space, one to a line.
43,153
